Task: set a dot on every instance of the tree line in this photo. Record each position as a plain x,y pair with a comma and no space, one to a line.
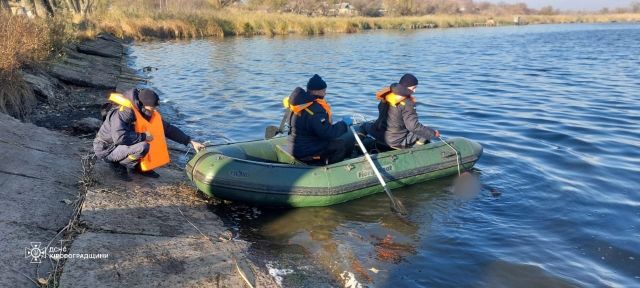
46,8
415,7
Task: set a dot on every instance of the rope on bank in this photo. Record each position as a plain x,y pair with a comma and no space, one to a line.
87,180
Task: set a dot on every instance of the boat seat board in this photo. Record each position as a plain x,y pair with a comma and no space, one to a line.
285,157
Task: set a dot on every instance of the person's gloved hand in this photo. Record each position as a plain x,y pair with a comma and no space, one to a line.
197,145
347,120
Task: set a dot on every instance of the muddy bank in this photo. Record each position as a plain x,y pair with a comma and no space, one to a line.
148,232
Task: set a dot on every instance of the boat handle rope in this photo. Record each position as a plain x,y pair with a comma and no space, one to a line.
188,150
456,151
205,144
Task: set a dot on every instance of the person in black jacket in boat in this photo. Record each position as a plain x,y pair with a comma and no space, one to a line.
313,138
398,125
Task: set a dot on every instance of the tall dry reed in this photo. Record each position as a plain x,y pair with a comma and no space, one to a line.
143,23
21,42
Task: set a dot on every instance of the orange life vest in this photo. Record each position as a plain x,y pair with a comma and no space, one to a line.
296,109
386,95
158,154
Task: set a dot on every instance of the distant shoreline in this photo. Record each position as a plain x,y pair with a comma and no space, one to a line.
246,23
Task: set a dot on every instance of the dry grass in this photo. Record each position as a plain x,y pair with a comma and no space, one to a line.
25,41
16,97
20,43
583,18
141,24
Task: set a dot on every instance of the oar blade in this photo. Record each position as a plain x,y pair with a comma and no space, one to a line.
397,206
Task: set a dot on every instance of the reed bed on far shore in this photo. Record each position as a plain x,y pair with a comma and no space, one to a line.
141,25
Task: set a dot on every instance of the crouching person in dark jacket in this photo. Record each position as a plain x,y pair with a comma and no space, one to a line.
397,124
313,138
132,136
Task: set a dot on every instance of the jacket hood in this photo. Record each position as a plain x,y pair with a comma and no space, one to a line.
299,96
400,90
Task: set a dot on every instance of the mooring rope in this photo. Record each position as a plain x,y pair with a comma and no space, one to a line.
456,151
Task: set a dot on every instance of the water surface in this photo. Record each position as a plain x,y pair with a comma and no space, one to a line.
556,108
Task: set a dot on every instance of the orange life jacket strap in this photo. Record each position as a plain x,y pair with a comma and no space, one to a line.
386,95
382,93
296,109
325,106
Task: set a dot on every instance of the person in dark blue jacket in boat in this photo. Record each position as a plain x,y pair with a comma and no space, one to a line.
313,138
132,136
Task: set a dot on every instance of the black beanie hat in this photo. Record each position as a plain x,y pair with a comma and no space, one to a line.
148,97
316,83
408,80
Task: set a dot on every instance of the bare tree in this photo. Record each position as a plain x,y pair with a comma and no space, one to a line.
223,3
4,5
635,7
368,7
82,7
547,10
43,8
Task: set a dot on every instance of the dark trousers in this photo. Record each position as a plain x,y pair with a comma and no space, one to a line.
369,128
411,140
128,156
337,150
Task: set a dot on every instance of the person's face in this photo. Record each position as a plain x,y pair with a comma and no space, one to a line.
413,89
150,108
320,93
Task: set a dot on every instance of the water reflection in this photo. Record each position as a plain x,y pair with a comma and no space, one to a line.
352,241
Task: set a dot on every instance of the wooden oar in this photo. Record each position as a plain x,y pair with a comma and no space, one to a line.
396,205
271,131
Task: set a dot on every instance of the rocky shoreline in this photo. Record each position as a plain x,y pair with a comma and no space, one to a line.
59,200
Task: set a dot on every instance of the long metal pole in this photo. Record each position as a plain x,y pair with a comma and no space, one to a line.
395,203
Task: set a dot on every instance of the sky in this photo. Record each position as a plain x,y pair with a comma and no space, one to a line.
571,4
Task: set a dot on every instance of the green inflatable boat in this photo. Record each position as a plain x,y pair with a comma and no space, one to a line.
263,173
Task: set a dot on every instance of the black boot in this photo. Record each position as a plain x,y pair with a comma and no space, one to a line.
150,173
120,171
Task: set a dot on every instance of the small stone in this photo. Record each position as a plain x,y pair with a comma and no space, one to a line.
43,282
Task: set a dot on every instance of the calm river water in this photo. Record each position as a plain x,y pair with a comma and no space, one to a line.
556,107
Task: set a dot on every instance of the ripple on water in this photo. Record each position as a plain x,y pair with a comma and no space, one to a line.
555,107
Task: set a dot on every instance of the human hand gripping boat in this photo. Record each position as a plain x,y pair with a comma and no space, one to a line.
262,172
